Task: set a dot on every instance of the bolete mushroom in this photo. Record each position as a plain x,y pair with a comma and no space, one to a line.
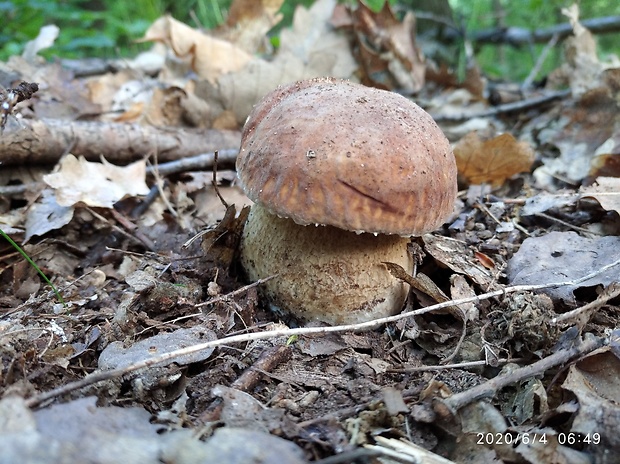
342,175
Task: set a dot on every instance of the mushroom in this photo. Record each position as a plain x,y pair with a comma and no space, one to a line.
342,175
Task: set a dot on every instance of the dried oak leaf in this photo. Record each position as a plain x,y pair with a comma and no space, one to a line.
211,57
492,161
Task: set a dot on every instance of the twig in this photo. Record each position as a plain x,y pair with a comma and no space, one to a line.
10,98
463,365
517,36
450,406
214,181
539,62
236,292
266,362
567,224
243,338
505,108
459,343
584,313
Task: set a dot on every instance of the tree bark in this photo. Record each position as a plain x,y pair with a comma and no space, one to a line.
44,141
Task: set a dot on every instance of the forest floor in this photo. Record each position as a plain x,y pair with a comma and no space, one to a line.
522,367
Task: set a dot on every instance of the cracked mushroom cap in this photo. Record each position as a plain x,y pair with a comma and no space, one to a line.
332,152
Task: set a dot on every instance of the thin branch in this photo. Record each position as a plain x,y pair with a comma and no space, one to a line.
518,36
505,108
488,389
539,62
244,338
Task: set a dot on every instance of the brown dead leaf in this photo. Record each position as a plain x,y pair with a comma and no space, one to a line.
211,57
492,161
131,114
249,21
606,191
102,89
606,161
485,260
221,242
388,50
594,381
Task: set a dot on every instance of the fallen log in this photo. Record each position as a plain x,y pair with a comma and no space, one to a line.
43,141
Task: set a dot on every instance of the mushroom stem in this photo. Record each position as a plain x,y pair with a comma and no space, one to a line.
324,273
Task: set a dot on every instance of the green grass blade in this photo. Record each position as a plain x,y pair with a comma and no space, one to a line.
33,264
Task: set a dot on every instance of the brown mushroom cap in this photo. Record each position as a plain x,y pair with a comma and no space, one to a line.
332,152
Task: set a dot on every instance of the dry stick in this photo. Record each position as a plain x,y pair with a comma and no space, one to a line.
214,181
266,362
587,310
489,388
505,108
568,224
517,36
235,292
463,365
198,162
166,357
539,62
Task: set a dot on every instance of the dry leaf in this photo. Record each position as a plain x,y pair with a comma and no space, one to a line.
46,215
564,256
387,48
583,66
485,260
460,288
594,382
210,57
96,184
311,48
606,161
492,161
606,191
249,21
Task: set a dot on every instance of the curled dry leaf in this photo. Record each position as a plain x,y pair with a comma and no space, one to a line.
606,191
387,49
594,381
492,161
249,21
606,161
211,57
